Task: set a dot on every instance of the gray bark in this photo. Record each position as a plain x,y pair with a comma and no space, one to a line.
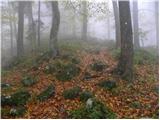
85,20
135,25
20,48
11,28
39,9
125,65
31,30
54,29
157,22
117,23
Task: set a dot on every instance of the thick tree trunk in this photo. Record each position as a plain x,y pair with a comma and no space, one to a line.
117,23
31,30
125,65
54,29
39,8
135,25
85,20
157,22
20,48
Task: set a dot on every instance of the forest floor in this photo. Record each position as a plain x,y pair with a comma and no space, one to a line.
138,99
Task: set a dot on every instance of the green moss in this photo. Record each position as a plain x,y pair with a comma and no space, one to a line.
84,96
47,93
5,112
98,111
28,81
67,72
98,66
107,84
72,93
6,100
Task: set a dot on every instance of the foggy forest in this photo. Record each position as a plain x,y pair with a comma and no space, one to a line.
80,59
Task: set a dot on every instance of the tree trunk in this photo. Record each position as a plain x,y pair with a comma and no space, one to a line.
31,30
157,22
11,28
20,48
125,65
85,20
117,24
108,23
54,29
39,7
135,25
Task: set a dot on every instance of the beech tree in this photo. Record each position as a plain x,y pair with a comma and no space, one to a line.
125,65
85,20
117,23
135,25
20,48
54,28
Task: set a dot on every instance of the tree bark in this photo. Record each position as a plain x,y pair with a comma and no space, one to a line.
108,23
85,20
117,23
54,28
20,48
157,22
11,28
31,30
125,65
135,25
39,7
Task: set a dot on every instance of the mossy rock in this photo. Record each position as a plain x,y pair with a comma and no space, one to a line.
84,96
67,72
98,111
17,111
107,84
72,93
98,66
47,93
28,81
20,97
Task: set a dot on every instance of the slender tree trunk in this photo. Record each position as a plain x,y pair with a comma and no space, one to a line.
108,23
11,28
20,48
31,30
39,8
157,22
74,24
135,25
117,23
54,29
85,20
125,65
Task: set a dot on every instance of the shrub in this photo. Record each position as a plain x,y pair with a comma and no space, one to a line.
144,57
98,111
67,72
116,53
135,104
28,81
6,100
20,98
72,93
47,93
84,96
98,66
107,84
18,111
5,85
